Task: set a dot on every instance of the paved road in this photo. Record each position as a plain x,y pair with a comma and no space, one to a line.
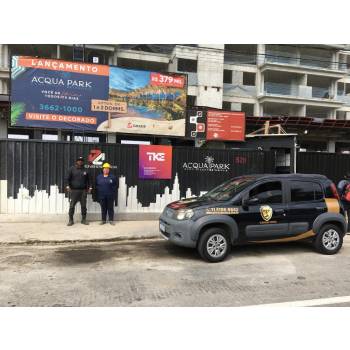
155,273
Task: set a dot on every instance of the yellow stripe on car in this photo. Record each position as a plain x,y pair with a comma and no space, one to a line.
288,239
332,205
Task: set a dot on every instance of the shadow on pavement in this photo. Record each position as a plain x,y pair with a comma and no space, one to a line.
181,252
158,250
83,256
266,249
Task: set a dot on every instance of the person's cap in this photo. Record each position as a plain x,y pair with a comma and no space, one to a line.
80,159
106,165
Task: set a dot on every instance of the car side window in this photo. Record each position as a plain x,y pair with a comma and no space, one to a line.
267,193
303,191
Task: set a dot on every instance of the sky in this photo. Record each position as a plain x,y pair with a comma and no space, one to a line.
128,79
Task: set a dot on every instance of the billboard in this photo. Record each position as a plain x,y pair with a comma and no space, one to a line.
225,126
155,162
156,103
49,93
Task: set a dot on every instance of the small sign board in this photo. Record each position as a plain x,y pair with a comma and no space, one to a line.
225,126
108,106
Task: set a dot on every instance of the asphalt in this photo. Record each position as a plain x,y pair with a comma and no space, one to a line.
154,272
59,232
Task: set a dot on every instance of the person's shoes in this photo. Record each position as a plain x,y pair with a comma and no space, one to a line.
84,222
112,223
70,223
102,222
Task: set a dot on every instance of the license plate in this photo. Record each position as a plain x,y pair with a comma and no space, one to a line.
162,227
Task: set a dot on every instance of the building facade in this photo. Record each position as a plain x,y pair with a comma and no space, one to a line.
301,81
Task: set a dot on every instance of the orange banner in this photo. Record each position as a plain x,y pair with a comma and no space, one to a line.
64,66
61,118
228,126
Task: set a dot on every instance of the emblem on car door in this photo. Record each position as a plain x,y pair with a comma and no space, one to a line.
266,212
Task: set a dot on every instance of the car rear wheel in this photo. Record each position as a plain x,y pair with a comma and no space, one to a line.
329,240
214,245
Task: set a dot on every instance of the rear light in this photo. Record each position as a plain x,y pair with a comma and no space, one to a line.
334,191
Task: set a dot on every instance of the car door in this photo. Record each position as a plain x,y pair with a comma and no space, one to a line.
305,203
263,212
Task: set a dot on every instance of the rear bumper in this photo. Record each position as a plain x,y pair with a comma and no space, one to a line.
177,232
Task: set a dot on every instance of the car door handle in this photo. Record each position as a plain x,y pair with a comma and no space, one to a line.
320,208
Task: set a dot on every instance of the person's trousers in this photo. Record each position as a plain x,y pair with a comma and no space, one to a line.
75,197
107,206
346,206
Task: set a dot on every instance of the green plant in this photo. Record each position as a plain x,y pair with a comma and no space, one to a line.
17,108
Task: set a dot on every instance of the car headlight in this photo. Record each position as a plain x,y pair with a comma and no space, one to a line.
184,214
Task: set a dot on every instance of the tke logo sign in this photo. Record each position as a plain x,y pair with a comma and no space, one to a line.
158,157
155,162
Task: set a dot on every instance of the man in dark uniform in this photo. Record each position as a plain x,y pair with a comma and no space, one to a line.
106,186
78,185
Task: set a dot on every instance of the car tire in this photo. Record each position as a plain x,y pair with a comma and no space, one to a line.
214,245
329,240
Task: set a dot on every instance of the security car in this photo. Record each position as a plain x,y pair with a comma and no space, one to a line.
258,209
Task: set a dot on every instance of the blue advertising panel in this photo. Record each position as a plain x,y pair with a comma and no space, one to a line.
57,94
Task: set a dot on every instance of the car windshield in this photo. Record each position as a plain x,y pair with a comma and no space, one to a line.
228,189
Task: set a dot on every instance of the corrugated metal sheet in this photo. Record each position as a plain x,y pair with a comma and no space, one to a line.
34,172
333,165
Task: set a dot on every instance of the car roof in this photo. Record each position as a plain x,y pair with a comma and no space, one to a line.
287,176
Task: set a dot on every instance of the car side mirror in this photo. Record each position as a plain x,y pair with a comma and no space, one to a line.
249,201
253,201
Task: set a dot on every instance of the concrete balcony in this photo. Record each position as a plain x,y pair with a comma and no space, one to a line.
304,64
345,99
239,58
297,94
231,90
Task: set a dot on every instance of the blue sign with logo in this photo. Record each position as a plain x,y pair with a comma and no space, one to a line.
57,94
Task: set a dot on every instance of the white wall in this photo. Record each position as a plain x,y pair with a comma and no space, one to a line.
57,203
210,78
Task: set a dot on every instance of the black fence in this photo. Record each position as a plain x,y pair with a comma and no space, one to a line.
37,165
333,165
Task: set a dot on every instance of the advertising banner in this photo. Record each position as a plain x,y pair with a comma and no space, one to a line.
155,162
49,93
156,103
225,126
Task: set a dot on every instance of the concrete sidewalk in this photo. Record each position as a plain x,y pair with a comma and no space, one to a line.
58,232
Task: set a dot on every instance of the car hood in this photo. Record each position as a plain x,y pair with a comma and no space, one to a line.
192,203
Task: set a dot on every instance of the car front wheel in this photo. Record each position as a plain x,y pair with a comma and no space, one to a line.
214,245
329,240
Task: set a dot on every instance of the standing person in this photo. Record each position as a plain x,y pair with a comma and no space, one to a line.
78,185
343,188
106,186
